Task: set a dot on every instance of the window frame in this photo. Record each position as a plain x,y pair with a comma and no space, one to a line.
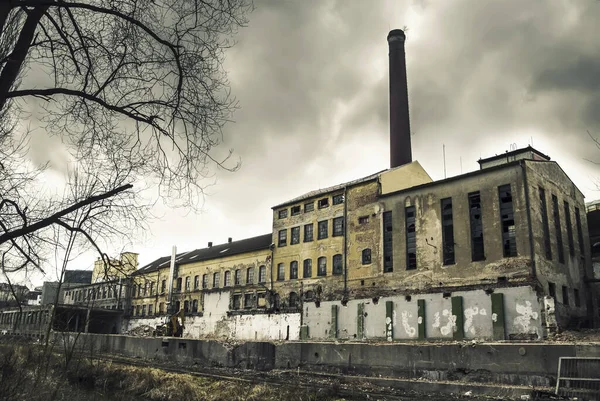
294,270
295,239
322,272
282,214
337,264
338,227
307,267
324,223
282,238
323,203
312,232
281,271
366,256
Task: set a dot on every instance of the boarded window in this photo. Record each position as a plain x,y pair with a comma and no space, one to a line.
447,232
545,224
323,229
411,238
338,226
262,274
366,256
322,266
308,232
294,269
282,214
507,221
569,229
307,272
475,218
558,229
282,237
295,236
388,265
280,272
338,264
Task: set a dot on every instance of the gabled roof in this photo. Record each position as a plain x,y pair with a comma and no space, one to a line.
258,243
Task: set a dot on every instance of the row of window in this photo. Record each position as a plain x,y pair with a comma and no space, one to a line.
307,268
249,301
507,221
558,228
24,317
565,294
90,294
148,310
310,206
322,232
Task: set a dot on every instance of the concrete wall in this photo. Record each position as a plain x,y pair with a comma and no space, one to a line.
523,364
522,316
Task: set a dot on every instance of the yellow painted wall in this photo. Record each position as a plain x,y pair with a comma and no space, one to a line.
406,176
123,267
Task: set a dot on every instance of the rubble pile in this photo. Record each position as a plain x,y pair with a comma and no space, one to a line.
142,331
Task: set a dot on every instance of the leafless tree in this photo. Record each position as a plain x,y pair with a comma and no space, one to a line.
136,92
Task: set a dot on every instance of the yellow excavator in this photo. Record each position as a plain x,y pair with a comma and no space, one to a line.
172,328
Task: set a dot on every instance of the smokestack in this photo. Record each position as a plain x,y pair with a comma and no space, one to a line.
229,240
210,244
400,148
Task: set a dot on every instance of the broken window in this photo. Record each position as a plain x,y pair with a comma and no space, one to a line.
261,300
227,282
150,309
250,275
187,283
576,297
282,214
237,277
558,229
143,310
161,307
338,264
579,232
323,229
387,243
151,290
366,256
308,232
216,280
196,282
307,271
282,237
338,199
295,236
569,229
293,269
309,207
565,295
163,286
237,301
545,224
447,232
322,266
205,281
411,238
195,306
323,203
262,274
280,272
363,219
248,300
507,220
338,226
552,290
179,284
477,248
295,210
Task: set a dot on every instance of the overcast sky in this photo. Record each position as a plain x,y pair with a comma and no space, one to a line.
311,78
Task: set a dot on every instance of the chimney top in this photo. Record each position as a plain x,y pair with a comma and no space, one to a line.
210,244
396,34
229,240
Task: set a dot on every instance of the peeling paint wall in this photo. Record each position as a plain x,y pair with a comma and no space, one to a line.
522,314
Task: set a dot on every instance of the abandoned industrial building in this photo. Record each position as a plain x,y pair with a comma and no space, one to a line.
498,253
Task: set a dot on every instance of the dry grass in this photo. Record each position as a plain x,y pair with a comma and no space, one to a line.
26,373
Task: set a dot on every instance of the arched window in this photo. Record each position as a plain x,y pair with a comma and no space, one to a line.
250,275
262,274
280,272
238,277
227,282
338,265
322,266
294,269
307,268
216,280
366,256
186,306
294,300
195,306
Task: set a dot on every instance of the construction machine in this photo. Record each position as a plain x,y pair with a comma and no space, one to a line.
172,327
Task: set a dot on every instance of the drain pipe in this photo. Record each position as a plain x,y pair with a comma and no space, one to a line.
345,296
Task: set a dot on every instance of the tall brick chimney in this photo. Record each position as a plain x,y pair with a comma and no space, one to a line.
400,148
